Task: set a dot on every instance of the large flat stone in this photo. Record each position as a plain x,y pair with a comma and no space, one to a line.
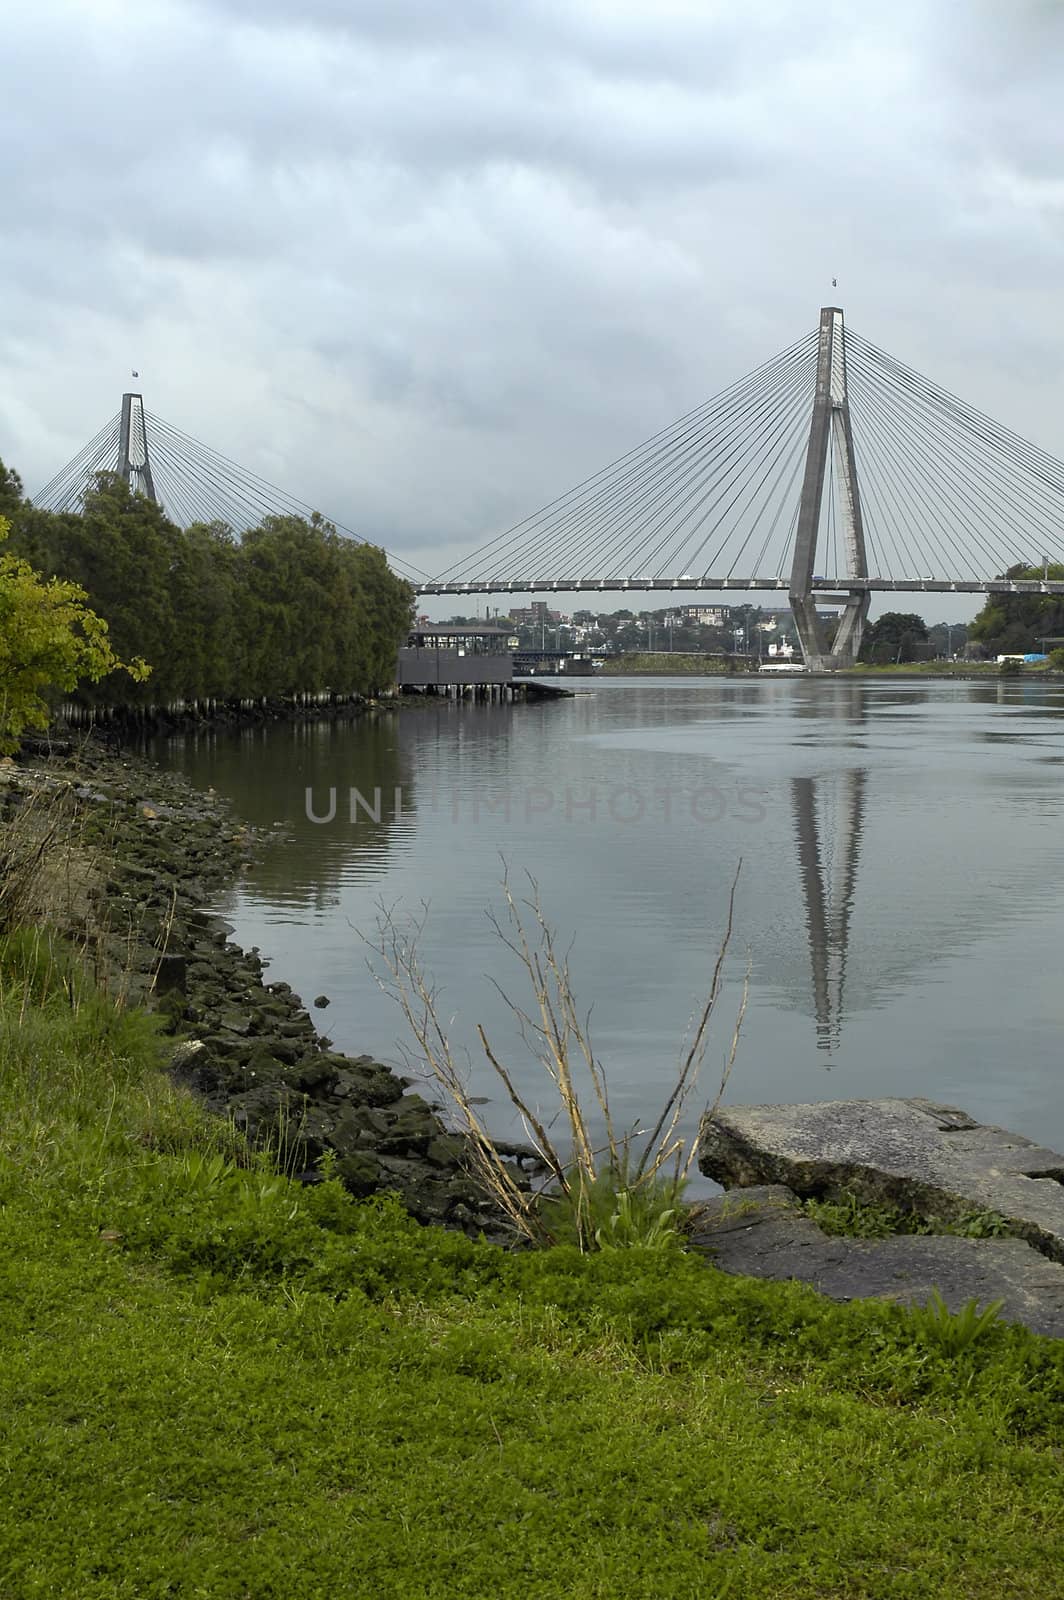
915,1154
761,1232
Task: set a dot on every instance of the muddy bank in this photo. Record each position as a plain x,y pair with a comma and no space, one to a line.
154,853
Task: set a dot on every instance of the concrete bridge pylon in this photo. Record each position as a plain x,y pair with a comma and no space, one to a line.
134,460
829,431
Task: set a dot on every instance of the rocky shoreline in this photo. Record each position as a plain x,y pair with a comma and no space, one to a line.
925,1160
162,852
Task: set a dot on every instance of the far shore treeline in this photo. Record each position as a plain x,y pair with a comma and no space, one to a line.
287,607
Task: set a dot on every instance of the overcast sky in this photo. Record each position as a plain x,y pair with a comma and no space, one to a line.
427,265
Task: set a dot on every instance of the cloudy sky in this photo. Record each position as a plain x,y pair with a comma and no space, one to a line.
427,265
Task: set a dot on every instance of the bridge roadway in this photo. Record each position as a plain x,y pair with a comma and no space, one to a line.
834,589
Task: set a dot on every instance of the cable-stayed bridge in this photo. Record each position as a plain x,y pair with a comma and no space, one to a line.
192,482
831,473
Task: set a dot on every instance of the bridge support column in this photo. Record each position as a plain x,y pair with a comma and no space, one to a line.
134,464
829,429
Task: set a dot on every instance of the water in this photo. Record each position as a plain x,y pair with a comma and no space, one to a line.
898,904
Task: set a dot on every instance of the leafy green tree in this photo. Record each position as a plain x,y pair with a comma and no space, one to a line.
1013,624
11,496
289,577
389,606
50,641
320,612
291,607
208,657
948,638
892,637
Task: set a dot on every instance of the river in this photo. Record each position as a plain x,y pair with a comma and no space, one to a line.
898,906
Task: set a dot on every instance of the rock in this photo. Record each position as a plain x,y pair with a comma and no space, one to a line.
446,1150
761,1232
357,1126
187,1055
369,1084
922,1157
286,1050
317,1075
228,1047
411,1128
297,1028
263,1066
360,1172
238,1022
170,975
322,1001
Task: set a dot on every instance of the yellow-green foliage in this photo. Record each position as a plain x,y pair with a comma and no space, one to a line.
49,640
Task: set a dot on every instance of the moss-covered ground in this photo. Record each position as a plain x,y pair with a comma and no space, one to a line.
216,1383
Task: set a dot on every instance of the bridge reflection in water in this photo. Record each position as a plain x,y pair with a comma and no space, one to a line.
828,867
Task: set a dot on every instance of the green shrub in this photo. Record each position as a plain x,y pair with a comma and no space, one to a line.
954,1332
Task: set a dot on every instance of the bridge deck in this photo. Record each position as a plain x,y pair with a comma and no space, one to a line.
840,586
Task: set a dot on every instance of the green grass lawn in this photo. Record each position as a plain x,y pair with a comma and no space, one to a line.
215,1383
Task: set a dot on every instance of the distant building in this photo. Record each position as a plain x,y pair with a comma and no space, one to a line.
535,614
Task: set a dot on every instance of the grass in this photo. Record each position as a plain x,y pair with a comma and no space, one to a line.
218,1384
678,663
848,1215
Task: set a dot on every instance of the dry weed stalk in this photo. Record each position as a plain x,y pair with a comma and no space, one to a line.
28,833
558,1036
52,872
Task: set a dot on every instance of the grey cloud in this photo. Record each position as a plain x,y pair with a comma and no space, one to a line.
428,265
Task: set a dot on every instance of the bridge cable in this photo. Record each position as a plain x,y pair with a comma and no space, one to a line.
244,491
632,493
798,416
631,463
893,437
969,489
739,442
1032,456
1009,469
898,483
99,455
886,416
744,445
628,468
793,460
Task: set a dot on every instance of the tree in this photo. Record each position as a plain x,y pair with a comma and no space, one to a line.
1013,624
10,491
49,640
892,637
291,607
208,660
948,638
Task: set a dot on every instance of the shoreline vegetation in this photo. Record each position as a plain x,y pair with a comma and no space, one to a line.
222,1382
663,663
117,602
